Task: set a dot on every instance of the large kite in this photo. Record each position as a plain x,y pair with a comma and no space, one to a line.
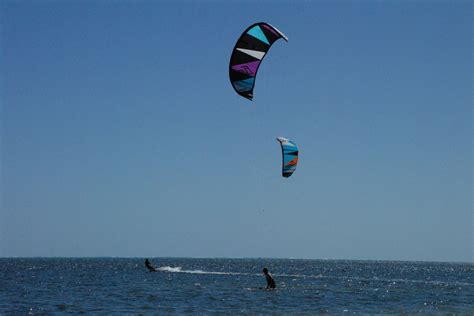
247,55
290,156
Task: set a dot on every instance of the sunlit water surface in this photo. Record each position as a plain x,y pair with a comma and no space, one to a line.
118,285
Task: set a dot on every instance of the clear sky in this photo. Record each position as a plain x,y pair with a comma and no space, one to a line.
122,136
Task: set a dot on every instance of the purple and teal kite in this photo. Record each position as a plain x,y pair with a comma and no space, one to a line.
247,55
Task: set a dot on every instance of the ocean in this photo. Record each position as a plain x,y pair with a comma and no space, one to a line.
234,286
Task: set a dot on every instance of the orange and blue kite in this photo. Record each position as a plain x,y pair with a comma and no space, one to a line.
289,151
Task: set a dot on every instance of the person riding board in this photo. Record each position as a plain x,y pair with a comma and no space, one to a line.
270,281
149,266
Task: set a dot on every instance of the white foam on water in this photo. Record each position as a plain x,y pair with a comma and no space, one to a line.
180,270
169,269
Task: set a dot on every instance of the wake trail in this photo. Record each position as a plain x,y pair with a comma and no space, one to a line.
180,270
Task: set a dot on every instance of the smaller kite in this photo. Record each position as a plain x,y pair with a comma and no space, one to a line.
289,151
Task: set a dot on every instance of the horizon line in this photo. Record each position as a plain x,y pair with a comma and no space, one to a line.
235,258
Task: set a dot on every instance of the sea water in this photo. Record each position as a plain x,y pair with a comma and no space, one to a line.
215,286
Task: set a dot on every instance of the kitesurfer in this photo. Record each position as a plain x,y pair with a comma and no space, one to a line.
270,281
149,266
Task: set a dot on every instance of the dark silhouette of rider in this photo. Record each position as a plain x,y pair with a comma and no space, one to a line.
270,281
149,266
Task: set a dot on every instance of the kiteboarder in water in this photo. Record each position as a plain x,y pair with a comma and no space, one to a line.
270,281
149,266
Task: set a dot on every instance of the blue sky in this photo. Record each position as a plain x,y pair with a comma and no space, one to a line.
122,136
